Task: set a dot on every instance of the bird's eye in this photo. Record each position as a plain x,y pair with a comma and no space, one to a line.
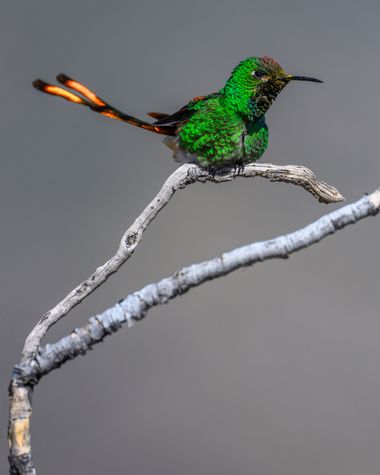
257,74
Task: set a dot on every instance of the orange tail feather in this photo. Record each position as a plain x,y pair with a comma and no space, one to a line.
95,103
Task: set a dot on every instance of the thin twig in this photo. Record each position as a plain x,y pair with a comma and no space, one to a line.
183,176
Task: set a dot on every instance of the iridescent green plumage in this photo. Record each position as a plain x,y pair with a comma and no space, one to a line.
216,134
226,127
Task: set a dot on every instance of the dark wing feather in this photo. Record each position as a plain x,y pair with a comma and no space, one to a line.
177,118
158,115
183,114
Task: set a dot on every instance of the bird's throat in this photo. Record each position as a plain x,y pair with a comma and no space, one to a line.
252,104
264,97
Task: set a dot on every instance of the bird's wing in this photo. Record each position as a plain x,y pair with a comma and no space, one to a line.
157,115
183,114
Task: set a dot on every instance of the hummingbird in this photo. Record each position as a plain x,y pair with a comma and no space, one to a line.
220,129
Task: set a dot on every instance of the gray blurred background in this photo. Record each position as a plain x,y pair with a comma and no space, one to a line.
271,371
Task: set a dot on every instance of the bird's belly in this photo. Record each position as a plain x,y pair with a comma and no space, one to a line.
247,151
237,146
179,155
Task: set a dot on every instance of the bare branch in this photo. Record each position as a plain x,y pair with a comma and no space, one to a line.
183,176
29,371
136,305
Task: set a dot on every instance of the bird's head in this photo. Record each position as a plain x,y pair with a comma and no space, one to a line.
255,83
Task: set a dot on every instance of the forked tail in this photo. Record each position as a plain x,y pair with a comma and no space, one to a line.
95,103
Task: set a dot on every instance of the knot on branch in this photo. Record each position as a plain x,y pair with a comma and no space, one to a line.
131,239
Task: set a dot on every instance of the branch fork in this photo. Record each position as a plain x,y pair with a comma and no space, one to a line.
37,361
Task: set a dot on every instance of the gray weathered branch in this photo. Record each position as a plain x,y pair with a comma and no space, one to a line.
30,370
35,362
183,176
136,305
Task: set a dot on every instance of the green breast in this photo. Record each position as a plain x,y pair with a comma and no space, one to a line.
256,140
217,136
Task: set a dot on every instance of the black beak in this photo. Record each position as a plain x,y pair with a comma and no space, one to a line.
303,78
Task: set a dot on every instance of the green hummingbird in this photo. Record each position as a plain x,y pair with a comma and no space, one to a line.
223,128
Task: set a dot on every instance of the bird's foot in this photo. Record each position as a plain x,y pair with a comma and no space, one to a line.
238,168
212,170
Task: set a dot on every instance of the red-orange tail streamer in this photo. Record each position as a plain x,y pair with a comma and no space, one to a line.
95,103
